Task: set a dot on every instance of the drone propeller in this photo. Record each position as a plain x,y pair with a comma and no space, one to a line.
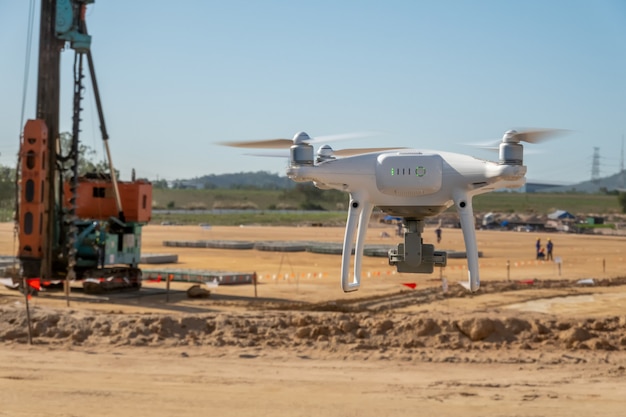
260,144
328,152
497,149
531,135
299,138
283,153
516,136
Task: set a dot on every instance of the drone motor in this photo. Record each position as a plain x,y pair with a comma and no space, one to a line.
511,153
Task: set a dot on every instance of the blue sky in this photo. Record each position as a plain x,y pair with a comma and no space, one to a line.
178,77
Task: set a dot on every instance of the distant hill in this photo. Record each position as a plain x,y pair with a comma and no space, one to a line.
260,180
610,183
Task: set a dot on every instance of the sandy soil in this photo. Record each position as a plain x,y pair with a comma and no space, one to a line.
302,347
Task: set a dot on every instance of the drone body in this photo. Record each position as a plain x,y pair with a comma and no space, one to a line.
408,183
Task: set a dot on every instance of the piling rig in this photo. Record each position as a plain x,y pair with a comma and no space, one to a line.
84,228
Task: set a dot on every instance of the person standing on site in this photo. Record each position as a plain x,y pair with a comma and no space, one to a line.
549,246
538,247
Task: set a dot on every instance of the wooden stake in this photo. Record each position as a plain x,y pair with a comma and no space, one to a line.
167,286
508,270
26,291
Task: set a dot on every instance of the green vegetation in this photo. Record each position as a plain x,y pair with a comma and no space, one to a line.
543,203
621,198
307,198
7,193
332,205
302,197
274,218
86,163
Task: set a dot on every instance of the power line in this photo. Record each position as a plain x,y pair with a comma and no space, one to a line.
29,43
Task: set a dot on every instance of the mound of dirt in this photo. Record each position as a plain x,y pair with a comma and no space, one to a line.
335,333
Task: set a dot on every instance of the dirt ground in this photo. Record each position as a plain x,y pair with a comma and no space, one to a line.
534,341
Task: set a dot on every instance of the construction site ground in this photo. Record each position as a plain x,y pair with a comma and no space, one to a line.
540,338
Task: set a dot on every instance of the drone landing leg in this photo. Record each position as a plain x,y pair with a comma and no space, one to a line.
358,217
463,204
364,218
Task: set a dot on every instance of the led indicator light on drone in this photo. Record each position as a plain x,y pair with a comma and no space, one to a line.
420,171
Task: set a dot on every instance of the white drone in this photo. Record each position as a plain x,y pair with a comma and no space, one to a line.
409,183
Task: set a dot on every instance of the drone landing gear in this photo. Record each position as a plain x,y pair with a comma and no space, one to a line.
413,256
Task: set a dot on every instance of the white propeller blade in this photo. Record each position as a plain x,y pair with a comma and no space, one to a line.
303,137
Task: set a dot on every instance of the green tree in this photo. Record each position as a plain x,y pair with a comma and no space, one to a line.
314,197
7,187
160,184
86,155
7,193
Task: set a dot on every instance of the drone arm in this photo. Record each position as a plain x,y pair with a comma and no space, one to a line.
463,202
358,217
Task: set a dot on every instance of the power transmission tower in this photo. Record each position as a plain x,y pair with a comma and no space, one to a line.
595,164
621,166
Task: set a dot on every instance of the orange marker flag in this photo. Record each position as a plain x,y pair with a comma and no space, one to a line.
34,283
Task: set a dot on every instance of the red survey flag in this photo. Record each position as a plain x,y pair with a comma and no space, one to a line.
34,283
